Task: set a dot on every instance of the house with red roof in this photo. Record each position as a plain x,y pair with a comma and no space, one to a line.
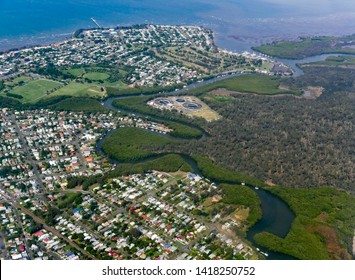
38,233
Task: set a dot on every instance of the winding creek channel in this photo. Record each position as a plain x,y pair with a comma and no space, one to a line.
277,217
293,63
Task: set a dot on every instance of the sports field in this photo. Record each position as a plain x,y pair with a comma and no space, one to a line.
76,72
35,90
91,73
96,76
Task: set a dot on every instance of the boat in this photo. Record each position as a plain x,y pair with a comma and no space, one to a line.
265,254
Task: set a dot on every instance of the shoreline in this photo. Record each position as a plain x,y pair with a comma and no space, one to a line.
23,41
31,41
62,37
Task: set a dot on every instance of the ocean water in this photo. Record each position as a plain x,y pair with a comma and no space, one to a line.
238,24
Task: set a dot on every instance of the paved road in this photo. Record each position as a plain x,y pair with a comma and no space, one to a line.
80,155
27,152
54,231
19,223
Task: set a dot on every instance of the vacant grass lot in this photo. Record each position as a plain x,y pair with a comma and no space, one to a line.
35,90
242,195
259,84
80,90
119,85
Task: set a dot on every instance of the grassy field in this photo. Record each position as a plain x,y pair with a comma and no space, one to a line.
253,83
91,73
127,144
76,72
35,90
324,225
112,77
119,85
96,76
136,103
241,195
80,90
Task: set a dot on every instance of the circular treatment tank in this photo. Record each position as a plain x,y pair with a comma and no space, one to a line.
180,100
192,105
163,102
